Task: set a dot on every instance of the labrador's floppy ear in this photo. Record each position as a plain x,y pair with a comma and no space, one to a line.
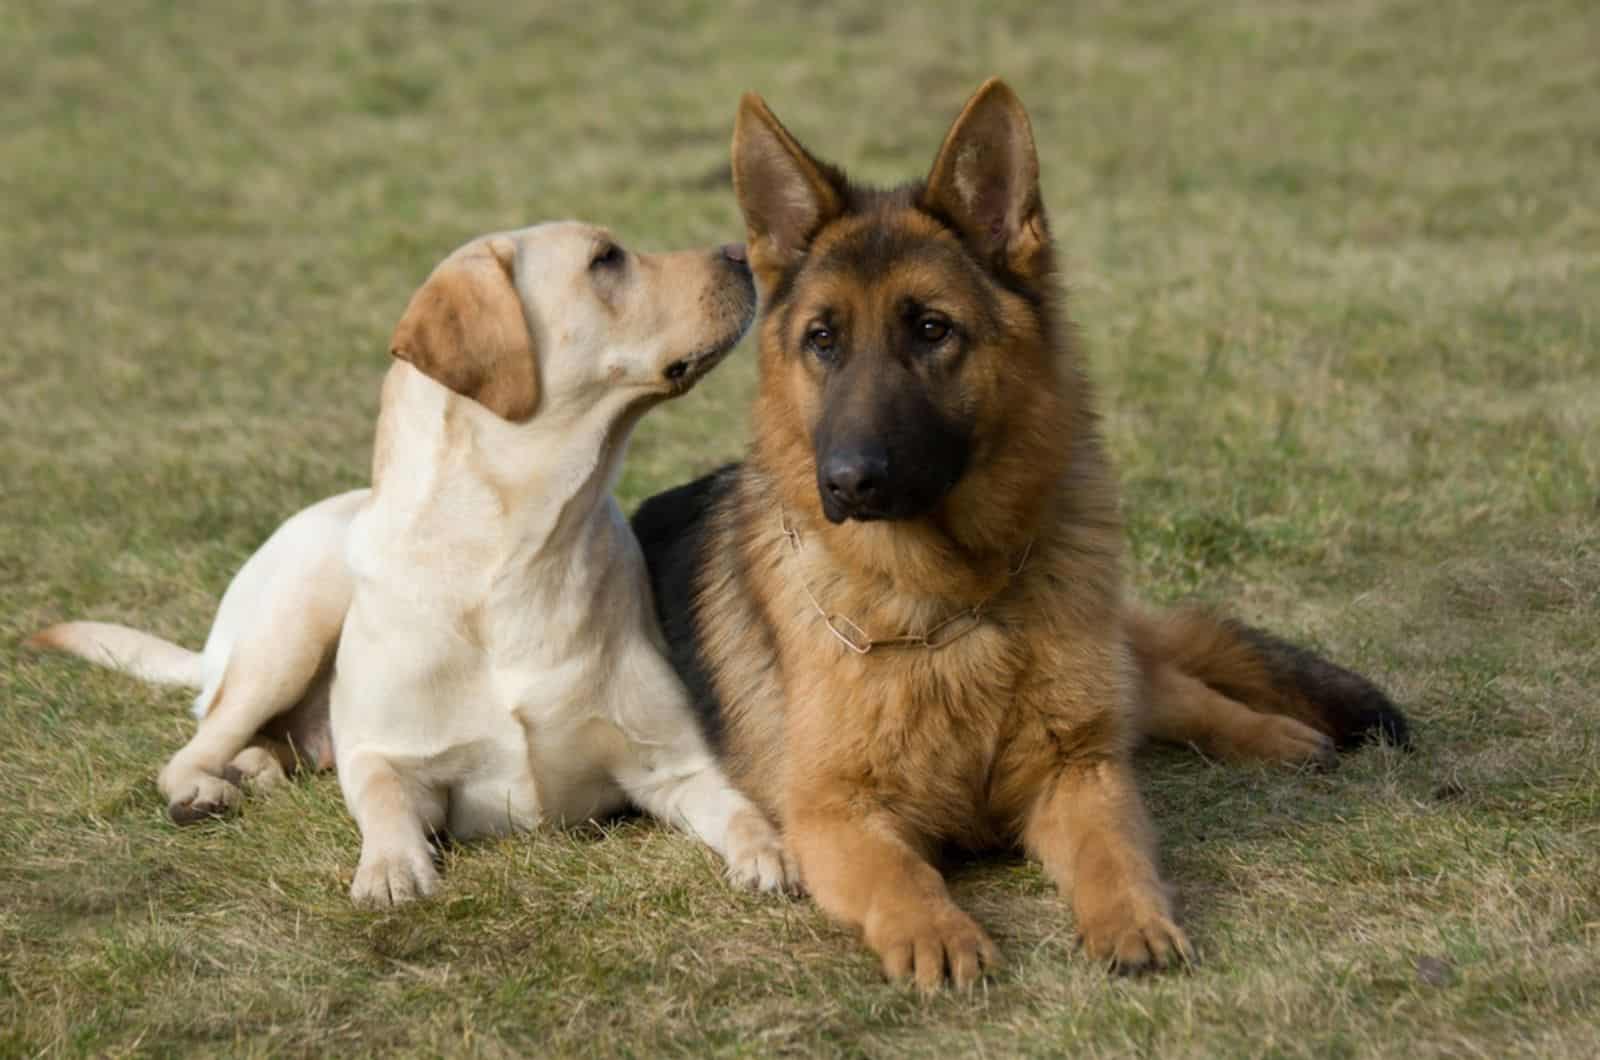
784,193
985,180
465,328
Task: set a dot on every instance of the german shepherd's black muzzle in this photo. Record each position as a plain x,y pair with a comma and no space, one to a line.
882,449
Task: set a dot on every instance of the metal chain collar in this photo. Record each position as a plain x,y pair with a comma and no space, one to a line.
858,640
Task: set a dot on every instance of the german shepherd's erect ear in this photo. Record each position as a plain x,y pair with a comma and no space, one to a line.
785,194
985,181
466,329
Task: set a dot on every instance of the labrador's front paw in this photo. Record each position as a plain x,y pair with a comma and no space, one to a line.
385,879
756,855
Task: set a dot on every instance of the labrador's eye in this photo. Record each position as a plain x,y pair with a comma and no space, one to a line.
607,257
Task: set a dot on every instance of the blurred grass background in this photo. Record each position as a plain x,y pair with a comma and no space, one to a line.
1337,270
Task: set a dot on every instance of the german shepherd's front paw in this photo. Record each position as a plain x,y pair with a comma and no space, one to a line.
1133,934
757,858
922,944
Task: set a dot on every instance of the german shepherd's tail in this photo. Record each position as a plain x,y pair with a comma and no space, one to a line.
144,655
1267,675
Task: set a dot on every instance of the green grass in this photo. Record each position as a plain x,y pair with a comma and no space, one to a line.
1337,267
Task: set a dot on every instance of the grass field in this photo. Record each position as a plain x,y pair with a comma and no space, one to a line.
1338,270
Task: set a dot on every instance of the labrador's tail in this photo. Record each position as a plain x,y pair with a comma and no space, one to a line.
144,655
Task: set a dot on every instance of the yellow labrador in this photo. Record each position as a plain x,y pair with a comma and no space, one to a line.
477,627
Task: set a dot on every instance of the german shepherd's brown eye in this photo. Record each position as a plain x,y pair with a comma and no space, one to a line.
820,341
932,329
607,257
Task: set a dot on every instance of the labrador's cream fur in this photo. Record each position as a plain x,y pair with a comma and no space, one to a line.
477,626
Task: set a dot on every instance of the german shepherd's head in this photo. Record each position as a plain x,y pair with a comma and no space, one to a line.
910,366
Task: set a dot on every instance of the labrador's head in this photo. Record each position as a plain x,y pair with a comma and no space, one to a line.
563,313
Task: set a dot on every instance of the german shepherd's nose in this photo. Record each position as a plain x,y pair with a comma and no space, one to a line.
855,483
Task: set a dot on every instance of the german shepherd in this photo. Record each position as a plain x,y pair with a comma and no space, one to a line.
903,615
